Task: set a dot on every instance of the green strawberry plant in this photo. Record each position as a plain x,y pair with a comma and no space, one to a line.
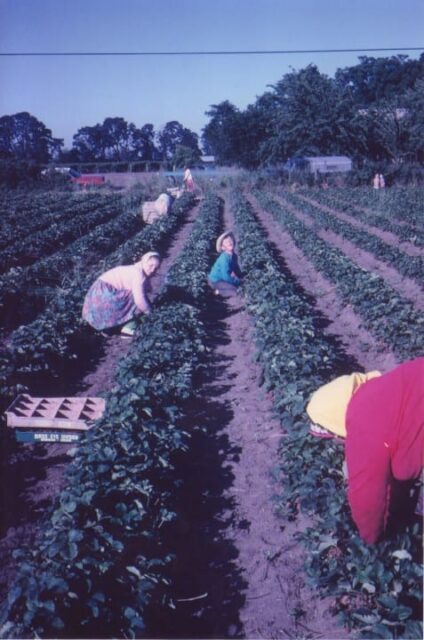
101,560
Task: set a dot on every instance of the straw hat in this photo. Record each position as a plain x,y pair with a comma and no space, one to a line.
220,240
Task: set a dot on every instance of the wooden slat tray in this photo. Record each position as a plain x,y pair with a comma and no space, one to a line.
75,413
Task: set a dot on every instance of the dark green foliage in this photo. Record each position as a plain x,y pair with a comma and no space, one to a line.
24,138
101,559
372,111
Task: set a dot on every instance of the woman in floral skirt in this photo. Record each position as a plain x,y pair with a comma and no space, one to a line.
120,294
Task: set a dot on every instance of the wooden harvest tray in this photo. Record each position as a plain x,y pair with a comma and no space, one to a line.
75,414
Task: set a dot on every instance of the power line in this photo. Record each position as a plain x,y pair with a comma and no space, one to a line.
201,53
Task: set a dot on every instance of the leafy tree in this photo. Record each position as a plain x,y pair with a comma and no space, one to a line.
414,121
143,142
89,143
386,130
375,79
118,138
23,137
185,156
312,116
115,139
174,134
223,133
257,124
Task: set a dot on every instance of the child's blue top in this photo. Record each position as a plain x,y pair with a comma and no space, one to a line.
224,266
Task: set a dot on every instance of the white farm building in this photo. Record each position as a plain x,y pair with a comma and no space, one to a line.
320,164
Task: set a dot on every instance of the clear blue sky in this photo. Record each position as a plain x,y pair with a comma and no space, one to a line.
68,93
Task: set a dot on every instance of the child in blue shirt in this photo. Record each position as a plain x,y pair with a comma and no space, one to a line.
225,275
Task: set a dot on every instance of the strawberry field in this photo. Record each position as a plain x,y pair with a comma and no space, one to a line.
163,520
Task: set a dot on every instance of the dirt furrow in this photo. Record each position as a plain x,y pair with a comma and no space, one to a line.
341,320
278,603
406,287
387,236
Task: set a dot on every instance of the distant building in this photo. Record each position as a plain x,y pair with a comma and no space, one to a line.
208,161
320,164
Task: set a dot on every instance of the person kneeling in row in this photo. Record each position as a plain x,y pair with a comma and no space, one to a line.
225,275
382,418
120,294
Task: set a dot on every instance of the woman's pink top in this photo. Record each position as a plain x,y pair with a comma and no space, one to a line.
130,278
385,440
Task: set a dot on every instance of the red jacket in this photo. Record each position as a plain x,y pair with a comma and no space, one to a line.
385,440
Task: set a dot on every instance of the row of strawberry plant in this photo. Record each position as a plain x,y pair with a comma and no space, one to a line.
102,558
31,248
390,318
377,588
16,212
46,345
25,291
410,266
402,204
346,200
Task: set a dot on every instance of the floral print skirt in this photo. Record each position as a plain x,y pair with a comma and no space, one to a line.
106,307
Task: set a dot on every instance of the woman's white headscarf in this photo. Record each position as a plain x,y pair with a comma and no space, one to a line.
147,256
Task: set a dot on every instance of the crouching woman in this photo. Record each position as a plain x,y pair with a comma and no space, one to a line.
225,275
120,294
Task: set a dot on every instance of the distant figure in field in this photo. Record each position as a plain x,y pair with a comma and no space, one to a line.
381,181
188,180
152,210
120,294
382,418
376,181
225,275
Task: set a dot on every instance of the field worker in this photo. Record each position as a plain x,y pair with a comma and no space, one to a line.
376,181
225,275
188,180
381,181
120,294
382,418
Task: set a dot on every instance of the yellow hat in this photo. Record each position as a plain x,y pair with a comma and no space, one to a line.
220,240
327,406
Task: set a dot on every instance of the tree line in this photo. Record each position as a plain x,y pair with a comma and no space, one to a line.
370,111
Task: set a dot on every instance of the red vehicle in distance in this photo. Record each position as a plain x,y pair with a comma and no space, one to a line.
88,179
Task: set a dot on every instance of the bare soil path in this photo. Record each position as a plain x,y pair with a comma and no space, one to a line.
278,603
406,287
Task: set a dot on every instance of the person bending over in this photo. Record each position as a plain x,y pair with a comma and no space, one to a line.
120,294
382,418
